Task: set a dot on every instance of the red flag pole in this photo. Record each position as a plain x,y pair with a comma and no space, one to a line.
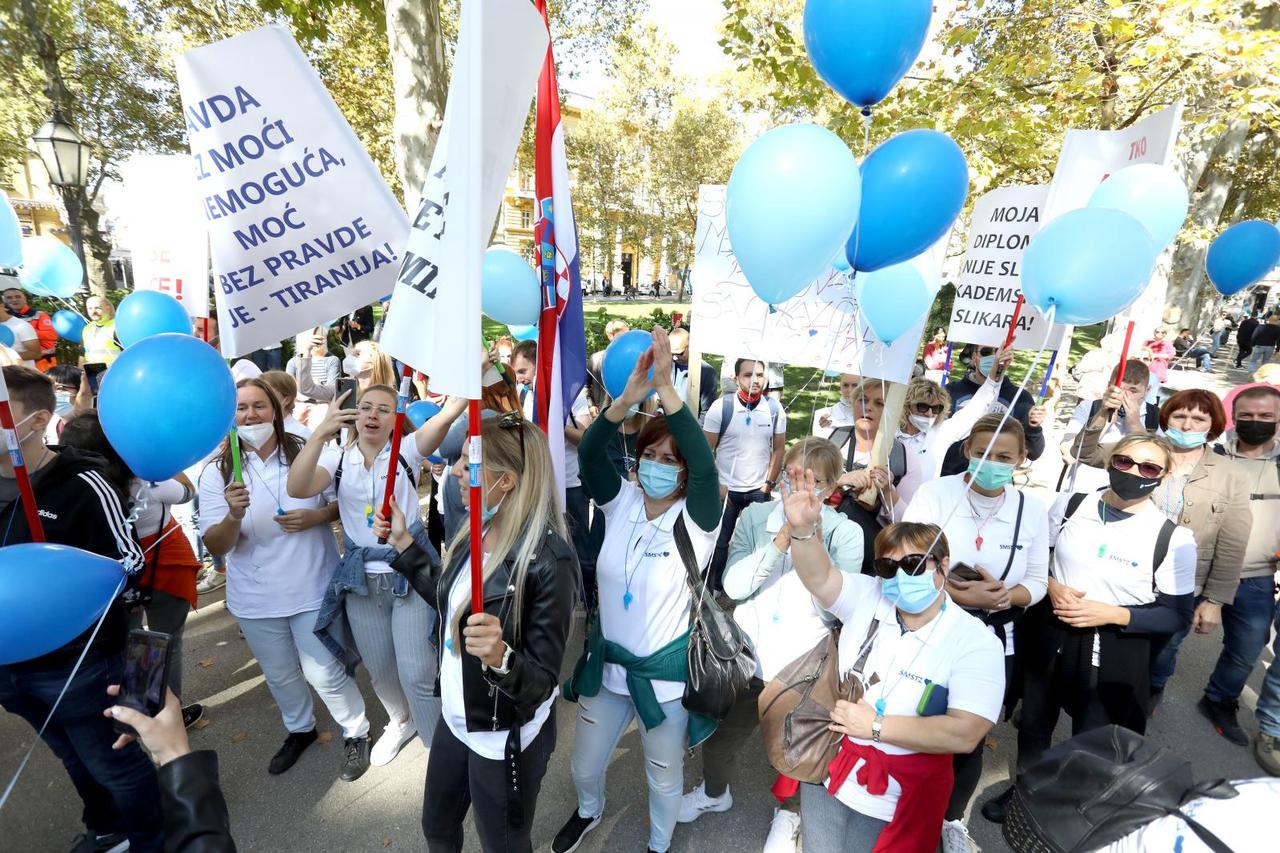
1124,353
474,457
27,495
1013,322
397,433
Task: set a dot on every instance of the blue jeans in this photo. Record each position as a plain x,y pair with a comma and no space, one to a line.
1246,624
1260,356
829,826
1269,698
1166,659
1202,355
118,788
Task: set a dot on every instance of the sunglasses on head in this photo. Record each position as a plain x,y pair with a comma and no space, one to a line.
1150,470
926,409
912,564
514,420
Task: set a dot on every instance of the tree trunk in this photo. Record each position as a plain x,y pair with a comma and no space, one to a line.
97,252
420,81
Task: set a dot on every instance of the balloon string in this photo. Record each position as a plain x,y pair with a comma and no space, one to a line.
4,798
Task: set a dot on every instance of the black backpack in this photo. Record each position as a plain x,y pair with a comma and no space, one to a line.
1098,787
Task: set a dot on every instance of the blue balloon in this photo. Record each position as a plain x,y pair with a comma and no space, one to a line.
49,595
52,265
1242,255
862,48
841,261
892,300
1088,264
69,325
913,187
166,403
1152,194
10,235
421,411
509,289
620,359
145,313
523,333
6,336
791,203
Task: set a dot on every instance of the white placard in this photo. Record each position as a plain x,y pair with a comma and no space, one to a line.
302,226
1089,157
819,327
434,319
1002,225
164,229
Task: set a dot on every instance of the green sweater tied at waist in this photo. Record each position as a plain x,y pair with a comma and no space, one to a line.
669,663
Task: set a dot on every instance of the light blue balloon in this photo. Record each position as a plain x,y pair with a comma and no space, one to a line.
791,203
509,290
49,595
148,385
1088,264
6,336
620,359
145,313
10,235
1242,255
862,48
913,187
892,300
841,261
69,325
53,265
523,333
1152,194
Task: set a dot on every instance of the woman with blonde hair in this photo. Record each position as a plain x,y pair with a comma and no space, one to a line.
499,668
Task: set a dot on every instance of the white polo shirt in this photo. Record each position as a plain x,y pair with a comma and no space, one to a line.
270,573
954,651
581,407
639,558
361,490
743,453
1111,562
933,502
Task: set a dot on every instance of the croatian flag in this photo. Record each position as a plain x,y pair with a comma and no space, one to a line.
562,343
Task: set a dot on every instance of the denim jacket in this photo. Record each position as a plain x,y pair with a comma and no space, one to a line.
349,577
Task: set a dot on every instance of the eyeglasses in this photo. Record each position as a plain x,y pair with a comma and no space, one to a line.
369,408
912,564
1150,470
926,409
514,420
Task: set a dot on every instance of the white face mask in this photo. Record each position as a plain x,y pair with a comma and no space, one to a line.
924,423
22,438
256,435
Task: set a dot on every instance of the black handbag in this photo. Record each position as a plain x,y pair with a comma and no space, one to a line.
720,659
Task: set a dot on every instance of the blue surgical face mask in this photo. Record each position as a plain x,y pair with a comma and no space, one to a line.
986,364
992,475
658,479
62,405
487,513
1185,440
911,594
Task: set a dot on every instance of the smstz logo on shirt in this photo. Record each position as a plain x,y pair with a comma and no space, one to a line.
1122,560
653,555
1005,546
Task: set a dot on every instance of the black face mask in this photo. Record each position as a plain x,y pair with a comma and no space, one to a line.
1254,433
1130,487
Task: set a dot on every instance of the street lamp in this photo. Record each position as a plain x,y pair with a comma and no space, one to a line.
65,155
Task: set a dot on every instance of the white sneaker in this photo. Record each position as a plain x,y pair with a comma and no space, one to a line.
783,832
696,803
392,741
956,839
210,580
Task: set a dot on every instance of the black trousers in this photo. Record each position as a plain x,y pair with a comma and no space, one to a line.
734,503
458,779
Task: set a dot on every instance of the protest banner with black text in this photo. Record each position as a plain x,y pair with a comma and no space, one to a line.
302,227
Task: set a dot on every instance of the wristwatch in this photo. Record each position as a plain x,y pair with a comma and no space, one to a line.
772,484
504,667
876,724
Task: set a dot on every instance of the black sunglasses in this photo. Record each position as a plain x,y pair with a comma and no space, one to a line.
986,351
912,564
926,409
514,420
1150,470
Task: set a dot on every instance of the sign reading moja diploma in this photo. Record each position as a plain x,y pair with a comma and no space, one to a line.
1002,225
302,227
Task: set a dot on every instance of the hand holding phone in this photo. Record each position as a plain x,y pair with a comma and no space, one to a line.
164,736
93,372
146,675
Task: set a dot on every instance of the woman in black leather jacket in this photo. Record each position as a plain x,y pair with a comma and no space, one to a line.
498,669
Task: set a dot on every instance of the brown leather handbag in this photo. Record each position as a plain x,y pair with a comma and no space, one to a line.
795,707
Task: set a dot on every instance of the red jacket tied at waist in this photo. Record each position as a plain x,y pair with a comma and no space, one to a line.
925,779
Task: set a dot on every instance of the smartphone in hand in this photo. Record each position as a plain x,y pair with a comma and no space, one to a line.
347,384
146,675
94,373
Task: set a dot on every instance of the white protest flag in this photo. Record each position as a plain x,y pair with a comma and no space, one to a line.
164,229
987,289
819,327
302,227
433,322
